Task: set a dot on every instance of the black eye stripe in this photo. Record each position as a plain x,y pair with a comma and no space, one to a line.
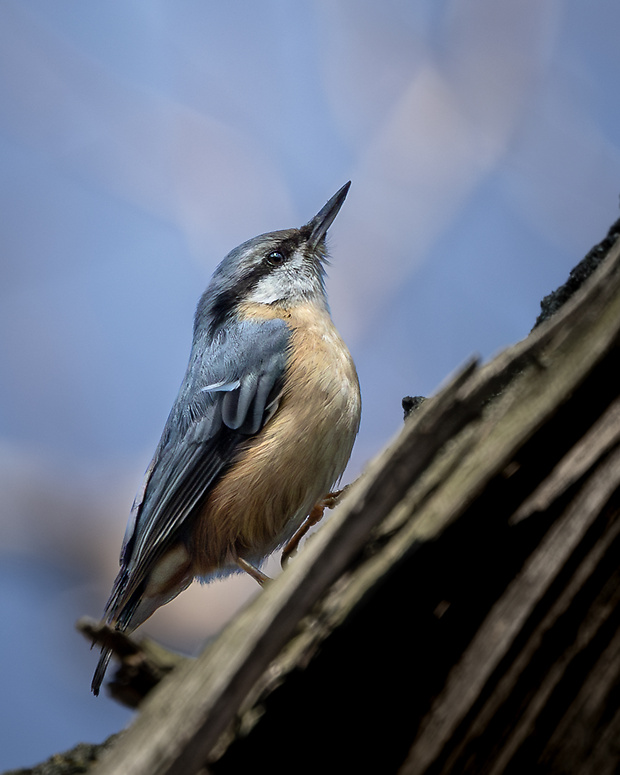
225,302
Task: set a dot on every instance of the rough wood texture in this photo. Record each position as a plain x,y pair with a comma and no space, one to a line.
459,611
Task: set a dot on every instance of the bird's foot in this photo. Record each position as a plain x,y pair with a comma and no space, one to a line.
316,515
252,571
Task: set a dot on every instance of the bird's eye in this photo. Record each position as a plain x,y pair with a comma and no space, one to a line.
276,258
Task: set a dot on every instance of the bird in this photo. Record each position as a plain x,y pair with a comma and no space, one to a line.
260,432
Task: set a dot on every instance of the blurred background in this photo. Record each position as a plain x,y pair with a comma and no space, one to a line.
140,140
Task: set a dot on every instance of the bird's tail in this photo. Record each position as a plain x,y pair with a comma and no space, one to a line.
131,615
102,666
128,608
117,615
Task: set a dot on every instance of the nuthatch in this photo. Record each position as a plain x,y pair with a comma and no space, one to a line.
261,430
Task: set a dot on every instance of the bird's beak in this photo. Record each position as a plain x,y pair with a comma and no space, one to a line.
325,217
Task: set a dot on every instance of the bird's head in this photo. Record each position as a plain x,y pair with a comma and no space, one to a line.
281,268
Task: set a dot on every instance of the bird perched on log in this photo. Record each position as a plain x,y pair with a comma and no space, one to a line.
260,432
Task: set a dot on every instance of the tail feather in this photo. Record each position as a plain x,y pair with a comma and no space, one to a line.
129,607
120,621
132,615
102,666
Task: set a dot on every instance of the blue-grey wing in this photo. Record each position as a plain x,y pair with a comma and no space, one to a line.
230,390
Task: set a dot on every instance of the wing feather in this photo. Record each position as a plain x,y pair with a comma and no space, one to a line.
228,393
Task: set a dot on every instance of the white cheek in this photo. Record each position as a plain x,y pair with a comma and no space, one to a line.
266,292
289,283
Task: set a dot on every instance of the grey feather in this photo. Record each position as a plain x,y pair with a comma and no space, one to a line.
198,443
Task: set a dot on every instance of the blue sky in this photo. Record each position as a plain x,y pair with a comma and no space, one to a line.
141,140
